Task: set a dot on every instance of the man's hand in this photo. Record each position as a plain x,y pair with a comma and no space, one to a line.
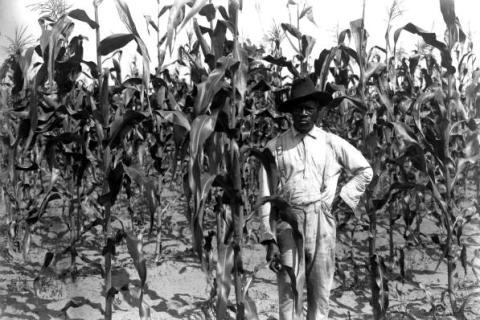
273,255
340,205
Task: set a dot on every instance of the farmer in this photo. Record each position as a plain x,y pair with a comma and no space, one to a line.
309,161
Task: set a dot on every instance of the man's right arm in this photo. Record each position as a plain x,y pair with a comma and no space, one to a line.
266,233
267,237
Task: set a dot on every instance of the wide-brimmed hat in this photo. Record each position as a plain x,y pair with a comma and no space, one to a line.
303,90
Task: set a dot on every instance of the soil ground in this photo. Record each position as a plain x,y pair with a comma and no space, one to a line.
178,288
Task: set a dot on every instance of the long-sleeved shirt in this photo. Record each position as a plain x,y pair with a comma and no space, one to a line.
310,165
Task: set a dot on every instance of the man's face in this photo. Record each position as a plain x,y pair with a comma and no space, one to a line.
305,115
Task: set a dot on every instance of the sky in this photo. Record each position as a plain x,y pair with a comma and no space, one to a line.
255,20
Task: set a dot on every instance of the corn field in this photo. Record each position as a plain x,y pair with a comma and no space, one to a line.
133,194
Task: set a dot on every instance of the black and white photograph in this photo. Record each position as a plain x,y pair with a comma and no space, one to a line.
239,159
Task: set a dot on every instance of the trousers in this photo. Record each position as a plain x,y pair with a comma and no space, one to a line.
311,260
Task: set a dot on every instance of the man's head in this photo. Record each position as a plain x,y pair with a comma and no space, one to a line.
304,104
304,115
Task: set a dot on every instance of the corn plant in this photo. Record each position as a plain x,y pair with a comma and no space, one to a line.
415,118
79,134
450,137
386,117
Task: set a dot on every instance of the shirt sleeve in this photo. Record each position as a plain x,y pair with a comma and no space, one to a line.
266,233
352,160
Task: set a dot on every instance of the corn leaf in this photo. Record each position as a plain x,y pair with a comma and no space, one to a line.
359,34
267,160
421,99
432,185
203,185
404,133
203,43
223,13
447,7
56,38
308,42
146,64
218,39
122,125
284,212
148,187
126,16
135,249
322,65
197,7
215,152
223,277
114,178
305,10
114,42
81,15
282,62
343,35
416,154
375,69
233,7
150,22
454,32
33,113
47,260
241,73
207,89
292,30
37,213
208,11
176,117
164,9
202,127
471,155
26,242
308,12
197,71
463,258
355,102
431,39
104,99
177,13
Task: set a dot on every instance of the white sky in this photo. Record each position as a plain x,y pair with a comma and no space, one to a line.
253,24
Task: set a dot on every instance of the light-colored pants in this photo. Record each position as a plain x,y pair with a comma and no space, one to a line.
315,266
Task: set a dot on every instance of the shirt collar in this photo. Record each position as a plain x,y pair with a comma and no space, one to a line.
312,133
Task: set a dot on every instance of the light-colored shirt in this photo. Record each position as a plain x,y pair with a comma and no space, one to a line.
310,165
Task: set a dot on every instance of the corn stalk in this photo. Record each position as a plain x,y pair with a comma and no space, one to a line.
106,162
377,299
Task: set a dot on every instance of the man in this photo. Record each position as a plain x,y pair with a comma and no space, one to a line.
309,161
